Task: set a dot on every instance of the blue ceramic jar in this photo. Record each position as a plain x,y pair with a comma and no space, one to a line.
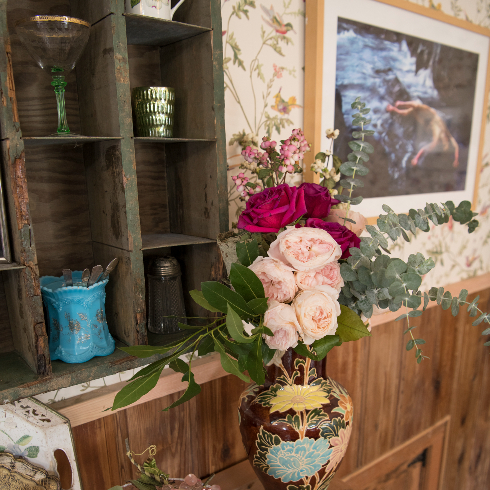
76,318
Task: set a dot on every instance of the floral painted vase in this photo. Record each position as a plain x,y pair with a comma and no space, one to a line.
296,426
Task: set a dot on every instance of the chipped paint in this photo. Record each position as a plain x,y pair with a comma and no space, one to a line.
19,190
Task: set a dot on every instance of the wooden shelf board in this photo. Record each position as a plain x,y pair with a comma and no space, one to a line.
156,139
17,380
150,31
35,141
11,266
151,242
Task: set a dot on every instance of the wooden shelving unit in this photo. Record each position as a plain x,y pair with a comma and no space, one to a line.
84,200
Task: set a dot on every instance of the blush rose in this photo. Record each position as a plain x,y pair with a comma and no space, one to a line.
341,234
276,277
317,311
272,209
281,320
304,248
328,275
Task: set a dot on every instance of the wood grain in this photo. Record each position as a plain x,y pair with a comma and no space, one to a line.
392,470
144,66
106,194
59,208
152,188
6,340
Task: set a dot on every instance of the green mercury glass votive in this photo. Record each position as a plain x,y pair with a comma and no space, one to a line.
153,110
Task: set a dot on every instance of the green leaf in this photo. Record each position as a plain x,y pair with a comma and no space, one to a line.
247,252
479,319
143,351
234,326
206,345
2,449
24,440
246,282
142,486
229,365
218,295
259,305
136,389
347,273
326,344
395,268
410,344
255,365
199,298
302,350
117,487
193,389
412,281
32,452
446,300
350,326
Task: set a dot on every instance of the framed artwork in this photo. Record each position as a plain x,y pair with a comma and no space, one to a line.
424,75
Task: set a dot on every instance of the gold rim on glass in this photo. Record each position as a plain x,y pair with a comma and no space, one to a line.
47,18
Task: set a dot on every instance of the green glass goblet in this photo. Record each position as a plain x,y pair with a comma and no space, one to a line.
56,43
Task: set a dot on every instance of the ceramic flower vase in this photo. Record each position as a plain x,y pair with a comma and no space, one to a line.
77,323
296,427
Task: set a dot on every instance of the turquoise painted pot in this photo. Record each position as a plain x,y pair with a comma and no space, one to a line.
78,328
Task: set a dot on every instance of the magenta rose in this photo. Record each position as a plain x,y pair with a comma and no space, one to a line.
318,200
341,234
272,209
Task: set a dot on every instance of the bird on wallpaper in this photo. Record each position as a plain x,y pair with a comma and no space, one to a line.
275,21
284,106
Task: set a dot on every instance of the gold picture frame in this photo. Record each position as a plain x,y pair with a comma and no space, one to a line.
317,102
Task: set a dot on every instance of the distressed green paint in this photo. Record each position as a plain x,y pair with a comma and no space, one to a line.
219,105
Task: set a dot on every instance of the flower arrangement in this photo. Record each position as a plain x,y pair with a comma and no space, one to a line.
303,277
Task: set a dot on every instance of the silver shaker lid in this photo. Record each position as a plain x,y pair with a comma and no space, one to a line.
164,266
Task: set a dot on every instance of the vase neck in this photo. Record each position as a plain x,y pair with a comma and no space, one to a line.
288,360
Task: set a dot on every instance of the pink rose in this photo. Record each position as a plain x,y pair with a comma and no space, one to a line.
341,234
304,248
329,275
277,279
281,319
338,215
318,200
272,209
317,311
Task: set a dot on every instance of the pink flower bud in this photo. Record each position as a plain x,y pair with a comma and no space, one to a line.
290,168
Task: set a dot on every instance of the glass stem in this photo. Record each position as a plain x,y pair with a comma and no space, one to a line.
59,85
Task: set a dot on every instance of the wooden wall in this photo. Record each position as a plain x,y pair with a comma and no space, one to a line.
443,404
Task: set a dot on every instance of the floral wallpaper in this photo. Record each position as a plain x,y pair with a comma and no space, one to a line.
263,49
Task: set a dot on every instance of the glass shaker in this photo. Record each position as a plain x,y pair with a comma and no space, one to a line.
165,296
